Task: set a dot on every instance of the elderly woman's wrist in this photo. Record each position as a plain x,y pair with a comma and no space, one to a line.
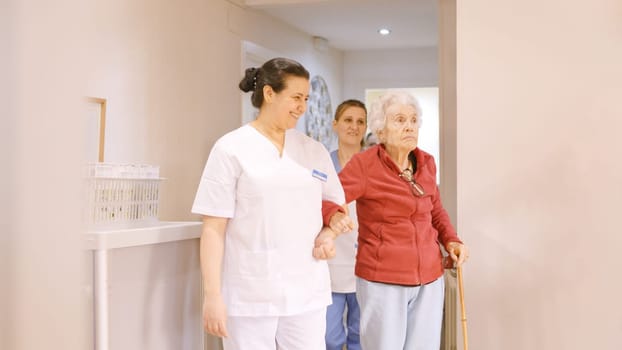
452,244
329,212
328,232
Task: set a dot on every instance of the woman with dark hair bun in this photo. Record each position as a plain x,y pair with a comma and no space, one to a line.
263,246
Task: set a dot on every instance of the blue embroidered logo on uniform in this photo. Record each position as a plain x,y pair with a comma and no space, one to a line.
319,175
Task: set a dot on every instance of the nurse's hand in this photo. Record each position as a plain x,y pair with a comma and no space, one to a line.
215,316
341,223
325,244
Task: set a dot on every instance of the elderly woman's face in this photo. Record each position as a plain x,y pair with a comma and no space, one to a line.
401,128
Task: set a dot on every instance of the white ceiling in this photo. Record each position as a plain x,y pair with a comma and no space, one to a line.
353,24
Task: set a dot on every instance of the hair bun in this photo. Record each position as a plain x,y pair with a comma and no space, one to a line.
249,82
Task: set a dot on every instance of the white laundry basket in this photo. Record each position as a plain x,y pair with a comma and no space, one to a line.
121,195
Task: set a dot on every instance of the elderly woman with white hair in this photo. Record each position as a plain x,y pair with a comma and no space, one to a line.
402,225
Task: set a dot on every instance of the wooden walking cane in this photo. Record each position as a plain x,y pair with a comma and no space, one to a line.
462,309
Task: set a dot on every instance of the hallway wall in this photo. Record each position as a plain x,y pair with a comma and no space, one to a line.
170,72
42,300
538,172
389,68
537,151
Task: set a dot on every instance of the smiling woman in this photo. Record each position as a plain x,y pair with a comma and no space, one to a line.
272,265
342,316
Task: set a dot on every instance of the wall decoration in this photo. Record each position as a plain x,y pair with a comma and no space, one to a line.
319,114
96,125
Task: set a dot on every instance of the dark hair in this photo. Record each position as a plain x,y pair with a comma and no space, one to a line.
347,104
272,73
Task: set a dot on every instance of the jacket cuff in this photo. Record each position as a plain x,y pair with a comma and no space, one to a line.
328,210
451,240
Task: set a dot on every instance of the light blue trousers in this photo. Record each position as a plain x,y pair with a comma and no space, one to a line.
399,317
336,333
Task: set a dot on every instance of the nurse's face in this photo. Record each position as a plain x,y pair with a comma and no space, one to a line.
290,103
351,125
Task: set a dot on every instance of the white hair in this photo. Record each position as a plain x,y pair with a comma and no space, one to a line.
378,110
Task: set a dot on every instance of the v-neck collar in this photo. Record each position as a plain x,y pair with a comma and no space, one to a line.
280,155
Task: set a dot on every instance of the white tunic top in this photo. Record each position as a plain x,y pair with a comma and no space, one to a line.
274,204
341,267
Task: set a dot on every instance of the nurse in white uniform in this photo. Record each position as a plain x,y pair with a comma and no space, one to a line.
263,246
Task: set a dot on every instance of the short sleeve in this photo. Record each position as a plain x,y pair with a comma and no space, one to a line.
332,190
217,188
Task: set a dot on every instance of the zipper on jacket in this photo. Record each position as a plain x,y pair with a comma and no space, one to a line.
417,170
418,257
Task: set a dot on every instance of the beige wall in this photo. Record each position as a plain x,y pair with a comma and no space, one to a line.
382,69
155,298
42,303
539,173
170,71
6,110
447,104
167,72
537,147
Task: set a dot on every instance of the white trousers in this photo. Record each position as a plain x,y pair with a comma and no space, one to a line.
397,317
298,332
